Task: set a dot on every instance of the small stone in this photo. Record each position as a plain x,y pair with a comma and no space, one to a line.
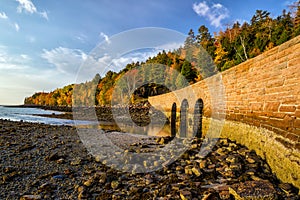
286,187
224,195
149,181
202,164
236,167
60,161
31,197
114,184
67,171
212,166
98,158
250,160
88,183
82,195
101,176
255,178
5,178
59,177
76,162
220,151
207,196
80,189
178,168
52,157
188,170
45,187
196,171
185,194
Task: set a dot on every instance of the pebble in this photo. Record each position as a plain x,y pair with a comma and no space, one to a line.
31,197
114,184
227,169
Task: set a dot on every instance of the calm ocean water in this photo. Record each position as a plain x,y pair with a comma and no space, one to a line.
29,115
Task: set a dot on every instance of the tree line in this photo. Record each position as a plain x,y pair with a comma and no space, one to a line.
201,56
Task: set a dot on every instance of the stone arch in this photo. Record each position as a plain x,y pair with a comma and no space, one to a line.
184,118
173,120
197,121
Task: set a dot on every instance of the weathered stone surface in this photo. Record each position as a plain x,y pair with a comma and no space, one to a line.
31,197
258,190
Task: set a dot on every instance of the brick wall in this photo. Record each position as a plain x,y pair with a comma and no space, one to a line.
263,92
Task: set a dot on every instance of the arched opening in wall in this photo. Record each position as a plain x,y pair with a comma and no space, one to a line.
184,118
173,120
198,113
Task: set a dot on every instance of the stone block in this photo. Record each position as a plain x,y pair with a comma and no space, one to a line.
271,106
287,108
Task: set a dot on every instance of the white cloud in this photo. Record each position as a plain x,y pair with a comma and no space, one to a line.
170,46
201,9
26,5
214,13
44,15
64,59
17,27
76,63
81,38
29,7
3,15
106,38
121,62
25,56
11,62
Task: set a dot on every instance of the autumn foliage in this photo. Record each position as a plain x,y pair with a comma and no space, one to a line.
186,65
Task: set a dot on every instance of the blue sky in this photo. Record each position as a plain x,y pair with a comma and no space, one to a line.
44,42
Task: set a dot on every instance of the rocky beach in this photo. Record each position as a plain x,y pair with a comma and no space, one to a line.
41,161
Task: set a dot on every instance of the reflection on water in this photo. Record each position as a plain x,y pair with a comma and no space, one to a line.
31,115
150,130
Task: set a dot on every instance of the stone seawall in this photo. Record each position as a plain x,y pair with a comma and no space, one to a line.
259,102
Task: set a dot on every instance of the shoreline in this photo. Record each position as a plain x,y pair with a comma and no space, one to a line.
40,161
139,114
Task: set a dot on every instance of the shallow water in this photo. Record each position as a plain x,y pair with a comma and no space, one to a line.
30,115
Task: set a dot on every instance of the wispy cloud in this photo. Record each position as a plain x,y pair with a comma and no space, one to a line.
65,60
26,5
17,27
121,62
215,13
12,62
29,7
3,15
106,38
170,46
44,15
81,38
288,2
75,62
